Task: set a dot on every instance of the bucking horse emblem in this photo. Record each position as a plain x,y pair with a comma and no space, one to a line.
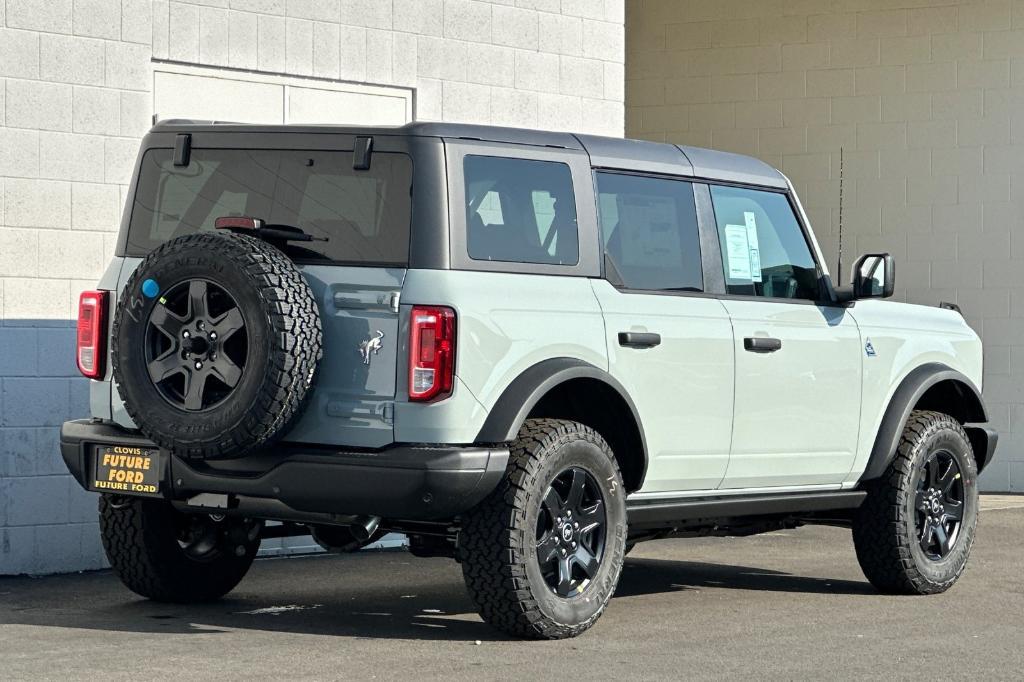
371,346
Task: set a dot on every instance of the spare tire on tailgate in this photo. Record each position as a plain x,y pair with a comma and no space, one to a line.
215,345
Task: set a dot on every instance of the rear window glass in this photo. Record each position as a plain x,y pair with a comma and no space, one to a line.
520,210
363,215
649,229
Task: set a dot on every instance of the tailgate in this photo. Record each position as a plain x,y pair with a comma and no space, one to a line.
353,400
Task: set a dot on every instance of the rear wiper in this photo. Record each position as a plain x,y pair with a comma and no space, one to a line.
257,228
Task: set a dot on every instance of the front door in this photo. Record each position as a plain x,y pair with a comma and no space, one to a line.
669,345
798,361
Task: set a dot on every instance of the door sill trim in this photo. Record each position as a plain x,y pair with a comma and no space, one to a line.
733,492
662,511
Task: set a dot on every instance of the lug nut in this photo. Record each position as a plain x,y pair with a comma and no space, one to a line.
576,524
213,335
199,365
240,550
186,334
574,545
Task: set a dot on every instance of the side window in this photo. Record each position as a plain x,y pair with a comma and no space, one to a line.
764,251
649,232
520,211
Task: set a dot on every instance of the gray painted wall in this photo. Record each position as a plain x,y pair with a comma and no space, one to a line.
76,96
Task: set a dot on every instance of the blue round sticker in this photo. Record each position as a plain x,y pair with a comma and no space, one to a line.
150,288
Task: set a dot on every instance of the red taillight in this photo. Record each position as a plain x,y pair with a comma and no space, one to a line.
92,332
431,353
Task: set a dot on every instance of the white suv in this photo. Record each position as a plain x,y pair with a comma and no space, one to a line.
526,350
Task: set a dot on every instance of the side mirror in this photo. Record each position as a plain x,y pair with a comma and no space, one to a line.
874,276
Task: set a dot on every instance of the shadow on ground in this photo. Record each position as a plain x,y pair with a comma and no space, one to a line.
371,595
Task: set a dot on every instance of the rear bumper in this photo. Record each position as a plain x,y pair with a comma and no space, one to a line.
417,483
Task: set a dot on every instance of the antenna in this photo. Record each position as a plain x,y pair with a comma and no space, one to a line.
839,264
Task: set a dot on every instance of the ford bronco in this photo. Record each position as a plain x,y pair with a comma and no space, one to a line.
525,350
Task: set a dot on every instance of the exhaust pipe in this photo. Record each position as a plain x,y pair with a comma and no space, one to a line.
354,534
363,527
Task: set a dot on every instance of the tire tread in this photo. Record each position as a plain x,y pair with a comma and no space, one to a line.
294,326
880,530
492,543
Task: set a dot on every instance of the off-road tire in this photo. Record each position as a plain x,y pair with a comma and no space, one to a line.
284,345
140,538
884,532
497,540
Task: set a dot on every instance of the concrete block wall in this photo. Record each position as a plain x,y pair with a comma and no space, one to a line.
925,99
76,97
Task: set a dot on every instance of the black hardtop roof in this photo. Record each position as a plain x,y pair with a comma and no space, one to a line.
605,152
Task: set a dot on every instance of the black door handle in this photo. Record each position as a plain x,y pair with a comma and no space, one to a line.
761,344
639,339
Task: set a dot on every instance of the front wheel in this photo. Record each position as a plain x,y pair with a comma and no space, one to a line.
541,556
165,555
914,532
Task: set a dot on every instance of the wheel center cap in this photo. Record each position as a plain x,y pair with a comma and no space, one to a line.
198,345
566,533
936,506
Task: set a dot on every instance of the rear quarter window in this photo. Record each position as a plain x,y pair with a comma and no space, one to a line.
520,211
363,216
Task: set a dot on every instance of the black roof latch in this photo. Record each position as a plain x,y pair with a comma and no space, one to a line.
182,149
361,153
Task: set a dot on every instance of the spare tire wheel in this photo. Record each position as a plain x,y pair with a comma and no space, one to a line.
215,345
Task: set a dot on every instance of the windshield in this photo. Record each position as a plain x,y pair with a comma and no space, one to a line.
364,215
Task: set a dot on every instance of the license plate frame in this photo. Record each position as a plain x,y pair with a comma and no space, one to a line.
127,470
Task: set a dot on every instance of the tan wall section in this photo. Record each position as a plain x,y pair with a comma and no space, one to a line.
926,99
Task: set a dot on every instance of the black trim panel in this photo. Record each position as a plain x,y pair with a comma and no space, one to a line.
907,395
983,442
667,511
710,248
528,388
420,483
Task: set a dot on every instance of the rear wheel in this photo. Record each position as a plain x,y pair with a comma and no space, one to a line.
542,555
914,532
165,555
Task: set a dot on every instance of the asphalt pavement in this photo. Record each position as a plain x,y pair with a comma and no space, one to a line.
785,605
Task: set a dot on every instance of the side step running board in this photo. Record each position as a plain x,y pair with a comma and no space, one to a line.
646,512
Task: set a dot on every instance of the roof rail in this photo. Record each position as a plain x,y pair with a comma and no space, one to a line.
194,121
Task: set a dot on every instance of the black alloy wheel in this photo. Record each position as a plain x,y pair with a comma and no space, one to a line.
205,537
939,505
571,532
195,345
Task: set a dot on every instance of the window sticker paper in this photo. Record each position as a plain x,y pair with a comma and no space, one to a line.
737,252
755,251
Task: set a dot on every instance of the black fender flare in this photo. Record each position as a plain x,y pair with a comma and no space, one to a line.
906,396
526,390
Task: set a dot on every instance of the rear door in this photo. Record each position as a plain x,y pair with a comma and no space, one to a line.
669,344
798,359
356,272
